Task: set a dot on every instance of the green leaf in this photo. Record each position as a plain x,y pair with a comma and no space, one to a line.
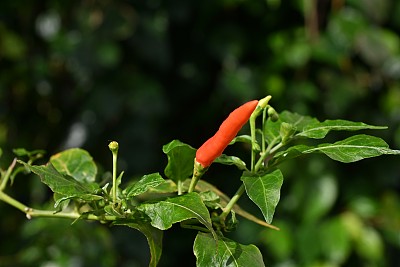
290,153
286,132
180,160
172,210
355,148
224,200
241,138
264,191
144,184
319,130
168,186
111,210
62,201
76,163
63,184
225,252
154,239
271,131
247,140
210,199
231,160
299,122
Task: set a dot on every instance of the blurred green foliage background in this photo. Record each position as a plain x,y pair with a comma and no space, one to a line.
81,73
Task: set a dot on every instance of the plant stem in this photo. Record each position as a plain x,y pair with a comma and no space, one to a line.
193,182
232,202
253,139
263,126
7,175
47,213
198,171
114,150
13,202
267,152
114,175
67,215
180,185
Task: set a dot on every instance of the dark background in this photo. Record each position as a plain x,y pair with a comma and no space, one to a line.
82,73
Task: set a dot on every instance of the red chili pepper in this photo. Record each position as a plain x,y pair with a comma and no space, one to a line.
229,128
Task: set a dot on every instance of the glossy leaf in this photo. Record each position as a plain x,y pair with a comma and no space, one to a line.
172,210
154,239
210,199
180,160
144,184
290,153
64,184
297,120
231,160
224,200
272,130
355,148
225,252
319,130
76,163
241,138
264,191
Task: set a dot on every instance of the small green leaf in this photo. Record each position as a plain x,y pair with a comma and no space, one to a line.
180,160
154,238
290,153
165,213
225,252
210,199
355,148
231,160
76,163
168,186
297,120
144,184
112,210
264,191
319,130
272,130
172,210
63,184
286,132
247,140
224,200
62,201
241,138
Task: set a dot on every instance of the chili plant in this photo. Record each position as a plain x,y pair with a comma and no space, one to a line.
155,202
